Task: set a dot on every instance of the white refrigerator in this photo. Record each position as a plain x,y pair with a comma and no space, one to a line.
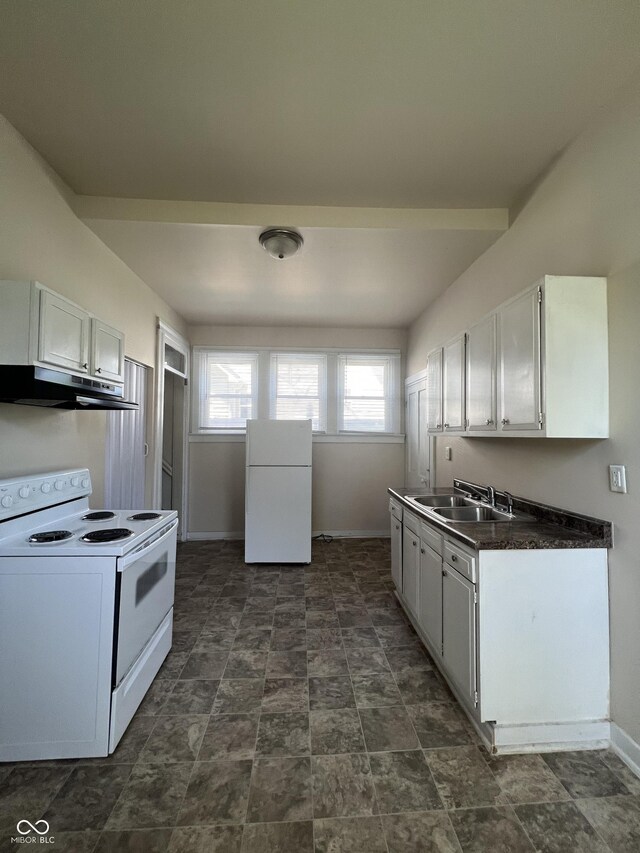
278,492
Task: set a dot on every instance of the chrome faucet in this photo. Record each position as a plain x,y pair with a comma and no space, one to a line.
508,497
491,495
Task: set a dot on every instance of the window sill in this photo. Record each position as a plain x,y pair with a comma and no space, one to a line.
346,438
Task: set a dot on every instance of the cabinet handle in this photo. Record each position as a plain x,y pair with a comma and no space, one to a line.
505,421
446,426
422,550
414,543
454,559
86,365
397,527
438,426
489,421
98,370
444,574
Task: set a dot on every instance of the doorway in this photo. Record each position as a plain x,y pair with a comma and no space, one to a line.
171,427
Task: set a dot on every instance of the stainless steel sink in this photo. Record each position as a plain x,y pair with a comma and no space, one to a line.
472,513
438,500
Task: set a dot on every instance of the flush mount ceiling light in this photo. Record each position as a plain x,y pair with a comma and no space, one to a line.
281,243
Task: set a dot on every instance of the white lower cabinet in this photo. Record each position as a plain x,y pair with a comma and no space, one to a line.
410,560
430,596
459,632
521,635
395,513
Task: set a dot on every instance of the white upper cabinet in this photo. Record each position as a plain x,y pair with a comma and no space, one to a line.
553,360
434,390
453,386
63,333
107,351
536,367
520,390
40,327
481,376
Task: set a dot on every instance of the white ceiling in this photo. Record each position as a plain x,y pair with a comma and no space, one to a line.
361,103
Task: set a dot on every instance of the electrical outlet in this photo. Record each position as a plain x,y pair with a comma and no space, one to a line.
447,454
617,478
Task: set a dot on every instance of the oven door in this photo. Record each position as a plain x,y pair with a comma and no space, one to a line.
147,582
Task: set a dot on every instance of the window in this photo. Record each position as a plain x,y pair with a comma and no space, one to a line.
228,389
298,388
368,393
341,392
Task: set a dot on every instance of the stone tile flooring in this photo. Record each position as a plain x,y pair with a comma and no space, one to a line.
298,713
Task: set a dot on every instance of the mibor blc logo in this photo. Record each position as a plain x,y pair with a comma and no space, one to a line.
33,833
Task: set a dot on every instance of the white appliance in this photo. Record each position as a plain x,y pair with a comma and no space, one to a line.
86,614
278,492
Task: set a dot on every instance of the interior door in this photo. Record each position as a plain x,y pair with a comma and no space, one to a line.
126,446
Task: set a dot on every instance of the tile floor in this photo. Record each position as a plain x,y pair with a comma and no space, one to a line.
298,713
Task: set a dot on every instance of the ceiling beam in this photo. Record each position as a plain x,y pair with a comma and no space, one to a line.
262,215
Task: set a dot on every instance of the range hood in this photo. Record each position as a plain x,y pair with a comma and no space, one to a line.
39,386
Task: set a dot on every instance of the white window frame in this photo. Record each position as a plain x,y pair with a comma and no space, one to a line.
201,359
263,394
298,357
391,397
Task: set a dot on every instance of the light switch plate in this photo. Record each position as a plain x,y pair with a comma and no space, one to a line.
447,454
617,478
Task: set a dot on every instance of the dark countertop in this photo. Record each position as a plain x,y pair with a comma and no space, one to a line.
551,527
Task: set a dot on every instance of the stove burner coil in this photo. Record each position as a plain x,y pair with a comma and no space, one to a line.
144,516
109,534
50,536
102,515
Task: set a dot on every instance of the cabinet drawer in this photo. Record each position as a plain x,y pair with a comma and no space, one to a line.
459,560
395,509
431,537
412,523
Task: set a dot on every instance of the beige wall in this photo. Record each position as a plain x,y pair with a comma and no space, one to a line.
349,479
42,239
583,218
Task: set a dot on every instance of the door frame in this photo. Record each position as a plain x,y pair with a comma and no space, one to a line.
167,336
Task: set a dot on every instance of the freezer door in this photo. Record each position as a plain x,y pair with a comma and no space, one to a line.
278,515
278,442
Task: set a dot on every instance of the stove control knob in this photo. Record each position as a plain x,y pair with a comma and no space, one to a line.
45,488
24,491
74,482
6,501
60,484
86,483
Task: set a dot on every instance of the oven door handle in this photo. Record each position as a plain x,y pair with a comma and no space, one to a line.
165,533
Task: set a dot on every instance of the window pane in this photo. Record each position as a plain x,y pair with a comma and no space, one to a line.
298,383
368,393
228,390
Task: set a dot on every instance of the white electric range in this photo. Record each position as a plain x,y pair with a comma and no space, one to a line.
86,614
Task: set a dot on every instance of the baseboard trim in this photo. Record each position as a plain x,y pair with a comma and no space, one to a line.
198,535
626,748
551,737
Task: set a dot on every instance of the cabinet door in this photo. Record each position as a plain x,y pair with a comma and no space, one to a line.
410,564
434,391
430,595
459,632
520,363
63,335
453,386
396,552
481,376
107,351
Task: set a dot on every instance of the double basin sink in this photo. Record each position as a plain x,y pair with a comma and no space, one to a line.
457,508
